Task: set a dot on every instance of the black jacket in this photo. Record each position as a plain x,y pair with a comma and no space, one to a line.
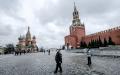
58,57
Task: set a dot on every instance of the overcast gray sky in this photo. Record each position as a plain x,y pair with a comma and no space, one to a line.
49,20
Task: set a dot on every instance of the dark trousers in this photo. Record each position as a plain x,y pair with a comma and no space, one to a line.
89,61
58,65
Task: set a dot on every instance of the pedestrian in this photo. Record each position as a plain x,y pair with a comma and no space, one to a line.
89,57
58,59
44,51
49,52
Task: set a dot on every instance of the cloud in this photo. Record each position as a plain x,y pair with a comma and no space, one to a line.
8,5
5,30
49,20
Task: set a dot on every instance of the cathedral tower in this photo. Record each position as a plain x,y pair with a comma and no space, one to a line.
28,37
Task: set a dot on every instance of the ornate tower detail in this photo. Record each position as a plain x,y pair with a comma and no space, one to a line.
28,37
76,21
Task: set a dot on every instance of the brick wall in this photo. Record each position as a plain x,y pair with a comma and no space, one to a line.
114,33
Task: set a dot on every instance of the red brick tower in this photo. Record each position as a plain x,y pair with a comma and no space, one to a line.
77,31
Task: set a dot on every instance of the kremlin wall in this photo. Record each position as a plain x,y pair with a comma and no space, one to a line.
77,33
114,33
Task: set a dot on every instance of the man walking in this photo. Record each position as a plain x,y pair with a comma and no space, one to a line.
58,59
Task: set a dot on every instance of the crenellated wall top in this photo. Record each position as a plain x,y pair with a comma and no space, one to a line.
105,31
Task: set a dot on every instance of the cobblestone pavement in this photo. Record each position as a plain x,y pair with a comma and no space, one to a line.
44,64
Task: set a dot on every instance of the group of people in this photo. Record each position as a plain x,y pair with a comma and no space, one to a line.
19,52
47,51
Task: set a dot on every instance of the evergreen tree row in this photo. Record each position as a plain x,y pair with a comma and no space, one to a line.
97,43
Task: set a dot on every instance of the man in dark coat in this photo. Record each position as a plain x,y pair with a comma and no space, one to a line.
58,59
